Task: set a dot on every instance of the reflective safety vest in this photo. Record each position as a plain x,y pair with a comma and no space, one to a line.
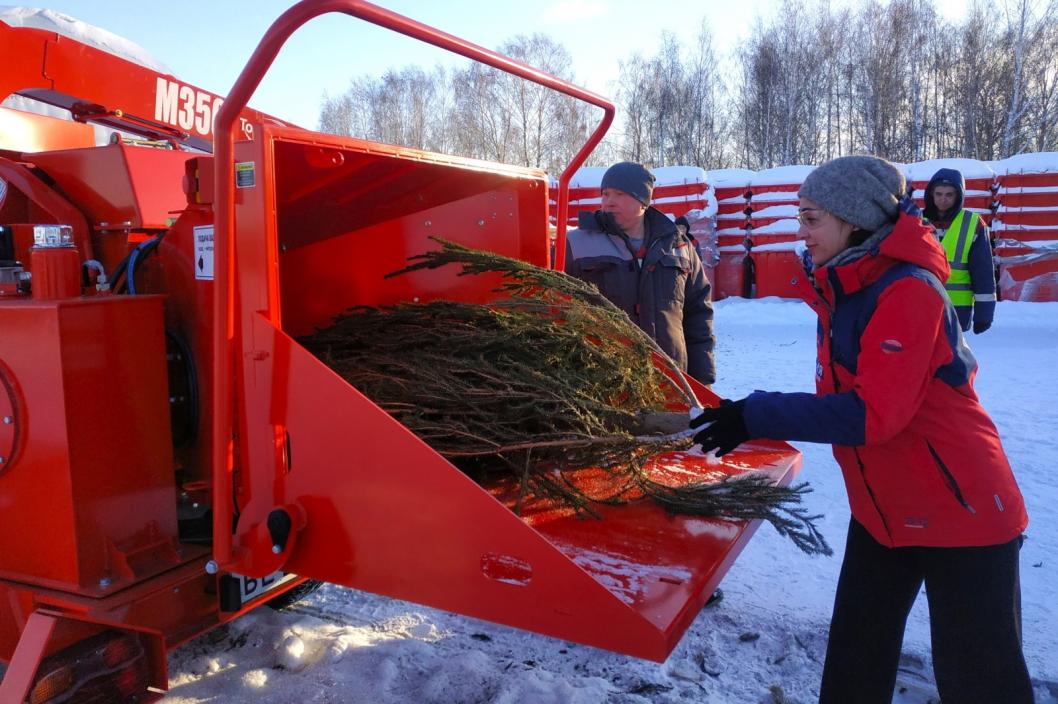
956,243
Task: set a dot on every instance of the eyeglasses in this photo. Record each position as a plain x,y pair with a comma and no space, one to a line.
807,217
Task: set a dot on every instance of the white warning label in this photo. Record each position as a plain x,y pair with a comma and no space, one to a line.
204,252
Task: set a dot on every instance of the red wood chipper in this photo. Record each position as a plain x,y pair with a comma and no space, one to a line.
170,456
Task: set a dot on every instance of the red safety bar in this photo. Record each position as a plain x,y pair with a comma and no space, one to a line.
224,170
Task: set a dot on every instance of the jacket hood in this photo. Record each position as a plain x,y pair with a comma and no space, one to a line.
910,240
949,176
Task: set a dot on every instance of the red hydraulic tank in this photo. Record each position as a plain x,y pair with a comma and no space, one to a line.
56,272
86,443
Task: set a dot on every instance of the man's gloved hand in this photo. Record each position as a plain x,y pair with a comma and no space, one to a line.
727,429
983,313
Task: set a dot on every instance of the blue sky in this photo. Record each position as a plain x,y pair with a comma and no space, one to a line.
206,43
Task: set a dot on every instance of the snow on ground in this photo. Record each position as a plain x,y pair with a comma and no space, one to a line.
764,642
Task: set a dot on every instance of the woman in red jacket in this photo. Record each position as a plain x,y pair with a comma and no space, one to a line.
932,496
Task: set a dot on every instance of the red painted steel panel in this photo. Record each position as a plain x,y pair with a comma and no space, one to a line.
56,272
118,184
1029,277
725,192
94,414
1039,218
732,240
63,71
1019,199
314,237
732,208
730,274
1020,232
22,131
369,491
786,188
776,238
777,273
1042,180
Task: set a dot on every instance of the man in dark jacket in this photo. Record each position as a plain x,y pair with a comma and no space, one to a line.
638,259
964,236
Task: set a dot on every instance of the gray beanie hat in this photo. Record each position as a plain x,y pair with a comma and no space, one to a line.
632,178
861,190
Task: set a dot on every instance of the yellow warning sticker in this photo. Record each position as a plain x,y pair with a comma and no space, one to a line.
244,175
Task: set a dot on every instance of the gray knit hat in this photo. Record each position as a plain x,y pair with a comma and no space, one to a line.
632,178
861,190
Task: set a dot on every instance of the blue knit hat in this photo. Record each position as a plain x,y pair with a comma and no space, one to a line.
632,178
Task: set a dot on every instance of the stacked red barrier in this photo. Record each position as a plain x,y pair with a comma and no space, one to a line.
583,194
775,252
754,214
1026,227
732,223
678,191
980,178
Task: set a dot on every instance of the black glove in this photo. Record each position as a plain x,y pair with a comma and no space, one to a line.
728,429
981,325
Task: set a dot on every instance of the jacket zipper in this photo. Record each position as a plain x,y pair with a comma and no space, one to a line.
855,450
949,479
639,269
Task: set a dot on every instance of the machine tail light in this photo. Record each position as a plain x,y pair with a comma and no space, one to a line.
110,668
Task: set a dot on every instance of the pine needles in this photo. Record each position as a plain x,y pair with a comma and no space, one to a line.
547,380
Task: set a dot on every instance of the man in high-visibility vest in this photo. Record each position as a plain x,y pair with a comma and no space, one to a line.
964,236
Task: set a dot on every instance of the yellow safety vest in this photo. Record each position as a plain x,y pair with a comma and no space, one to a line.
956,243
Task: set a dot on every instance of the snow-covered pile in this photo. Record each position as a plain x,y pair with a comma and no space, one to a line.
794,174
969,168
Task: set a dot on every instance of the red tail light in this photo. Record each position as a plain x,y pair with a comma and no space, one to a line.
109,668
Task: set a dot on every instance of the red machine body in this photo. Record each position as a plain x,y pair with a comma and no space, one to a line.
159,415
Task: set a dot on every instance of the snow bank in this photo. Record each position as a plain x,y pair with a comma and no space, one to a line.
588,177
781,175
797,247
969,168
669,175
730,178
1037,163
776,211
779,227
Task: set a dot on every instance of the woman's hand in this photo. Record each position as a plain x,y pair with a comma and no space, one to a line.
726,427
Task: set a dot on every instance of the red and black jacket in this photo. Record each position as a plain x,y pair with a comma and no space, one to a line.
922,460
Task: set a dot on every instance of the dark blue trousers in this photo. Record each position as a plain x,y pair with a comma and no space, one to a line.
974,599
